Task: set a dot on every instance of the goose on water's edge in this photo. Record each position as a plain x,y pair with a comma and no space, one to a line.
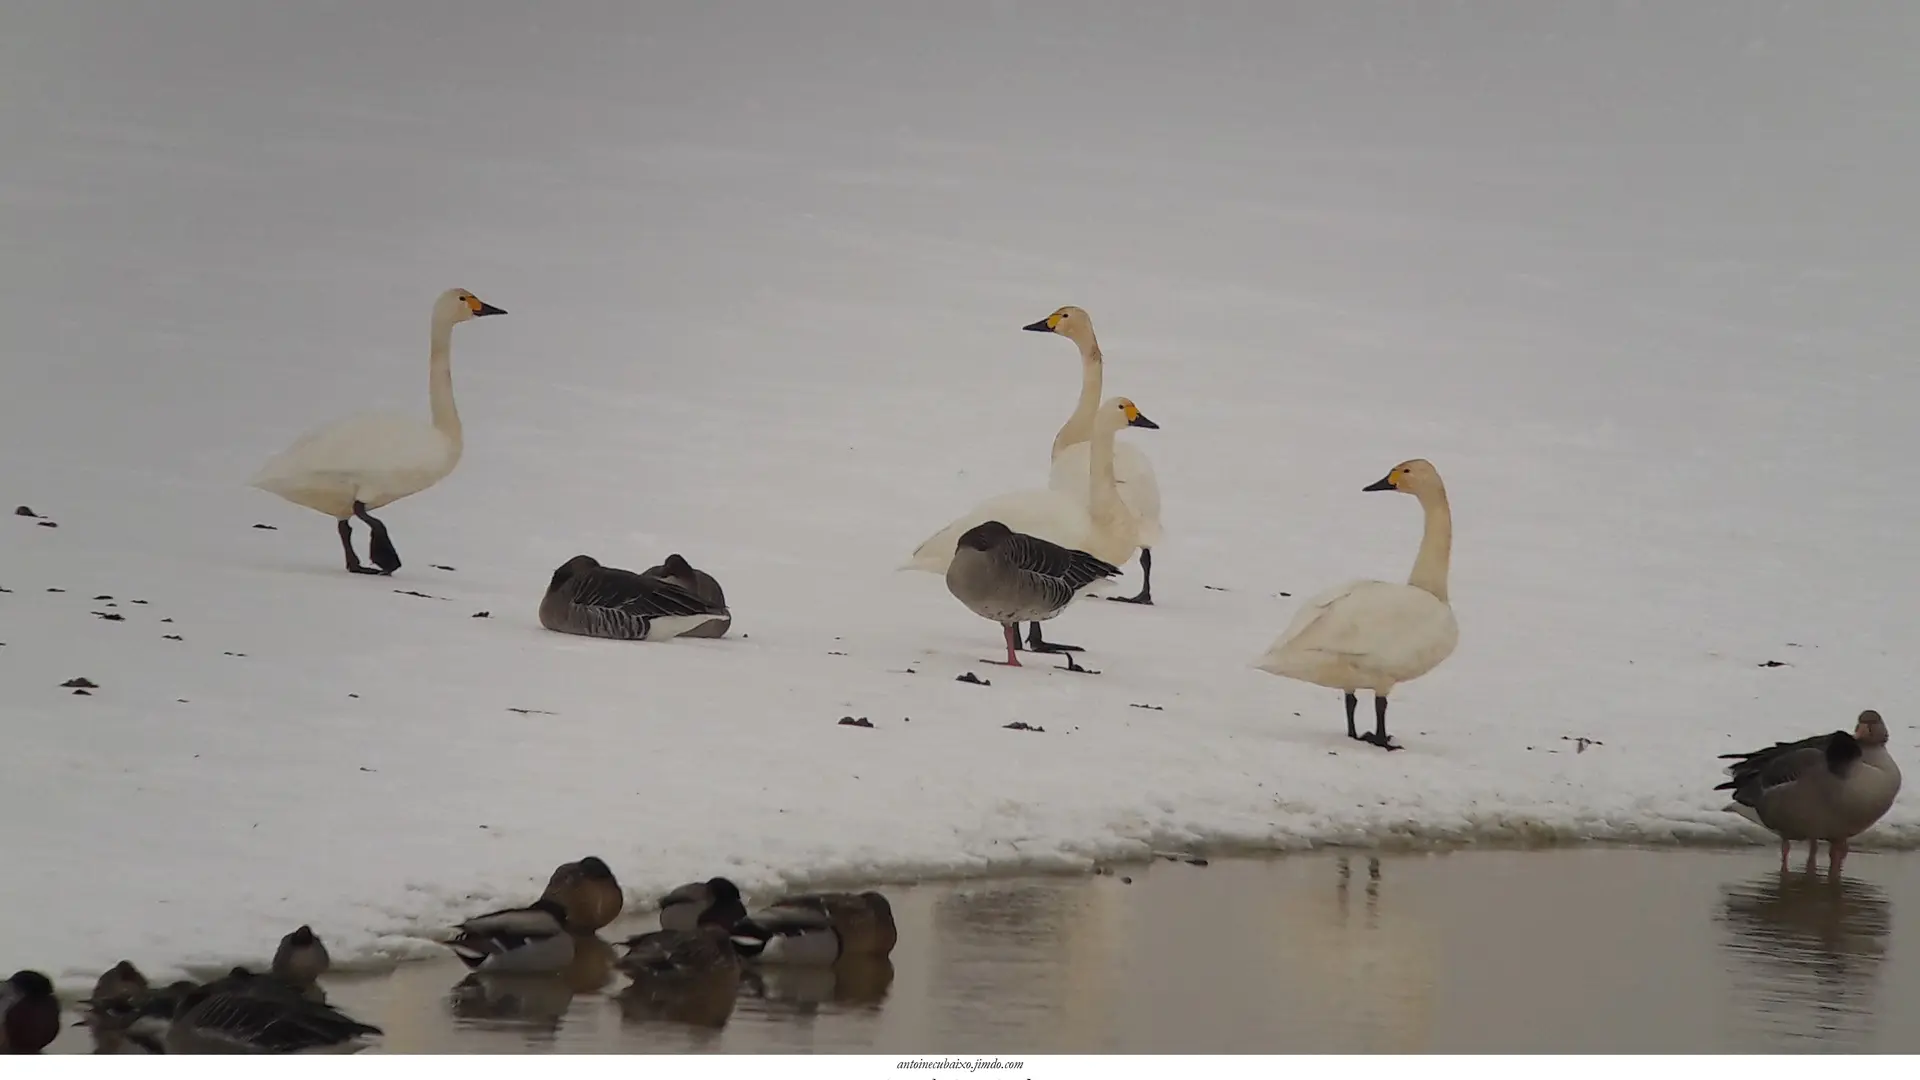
1375,635
1011,578
1099,525
251,1014
301,959
1133,475
592,600
1829,787
362,463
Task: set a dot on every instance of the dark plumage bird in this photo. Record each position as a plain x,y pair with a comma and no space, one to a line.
701,584
588,891
690,905
29,1013
301,959
1828,787
245,1013
592,600
1011,578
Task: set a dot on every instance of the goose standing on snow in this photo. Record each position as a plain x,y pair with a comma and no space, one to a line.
699,583
1133,474
532,940
713,900
818,929
363,463
29,1013
1012,578
1827,787
1375,635
591,600
588,891
1099,525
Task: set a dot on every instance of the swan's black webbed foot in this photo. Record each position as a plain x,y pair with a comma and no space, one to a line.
1035,643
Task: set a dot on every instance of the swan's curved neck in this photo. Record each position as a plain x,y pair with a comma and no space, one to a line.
1436,544
440,382
1103,495
1079,426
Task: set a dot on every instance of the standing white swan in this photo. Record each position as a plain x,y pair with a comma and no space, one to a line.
1374,635
1133,474
364,462
1097,523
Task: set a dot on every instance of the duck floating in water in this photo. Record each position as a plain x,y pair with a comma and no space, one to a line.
818,929
588,891
713,900
29,1013
532,940
592,600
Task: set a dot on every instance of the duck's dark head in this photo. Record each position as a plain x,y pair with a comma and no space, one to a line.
723,889
592,867
301,937
31,984
985,536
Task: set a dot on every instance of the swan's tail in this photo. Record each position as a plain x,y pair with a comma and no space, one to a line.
936,552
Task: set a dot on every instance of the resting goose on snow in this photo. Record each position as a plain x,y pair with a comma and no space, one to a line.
1012,578
1099,525
532,940
1375,635
1133,474
29,1013
250,1014
713,900
588,891
818,928
365,462
1826,787
699,583
591,600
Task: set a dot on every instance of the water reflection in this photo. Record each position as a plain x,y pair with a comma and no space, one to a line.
858,981
534,1003
1364,963
705,1002
1806,953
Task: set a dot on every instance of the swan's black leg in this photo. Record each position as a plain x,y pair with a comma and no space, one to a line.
1379,735
380,547
346,544
1036,643
1145,595
1353,702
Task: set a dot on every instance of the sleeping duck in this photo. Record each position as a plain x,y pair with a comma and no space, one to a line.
592,600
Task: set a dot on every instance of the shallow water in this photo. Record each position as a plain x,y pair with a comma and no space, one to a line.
1578,950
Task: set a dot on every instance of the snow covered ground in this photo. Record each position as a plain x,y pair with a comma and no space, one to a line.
1637,278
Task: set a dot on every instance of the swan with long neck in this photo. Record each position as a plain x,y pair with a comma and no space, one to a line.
1375,635
1133,474
1096,522
359,464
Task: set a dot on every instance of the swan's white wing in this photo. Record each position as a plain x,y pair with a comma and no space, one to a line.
1363,633
1133,476
371,456
1048,515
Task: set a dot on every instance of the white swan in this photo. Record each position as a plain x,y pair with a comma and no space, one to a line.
1374,635
365,462
1097,523
1073,447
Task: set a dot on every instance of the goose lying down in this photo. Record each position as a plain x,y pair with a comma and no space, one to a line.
700,583
591,600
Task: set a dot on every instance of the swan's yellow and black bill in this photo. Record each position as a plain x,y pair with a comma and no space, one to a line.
1136,418
1385,483
481,307
1044,326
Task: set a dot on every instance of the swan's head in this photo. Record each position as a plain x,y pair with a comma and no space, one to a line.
1416,477
1870,730
459,305
1118,412
1069,322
